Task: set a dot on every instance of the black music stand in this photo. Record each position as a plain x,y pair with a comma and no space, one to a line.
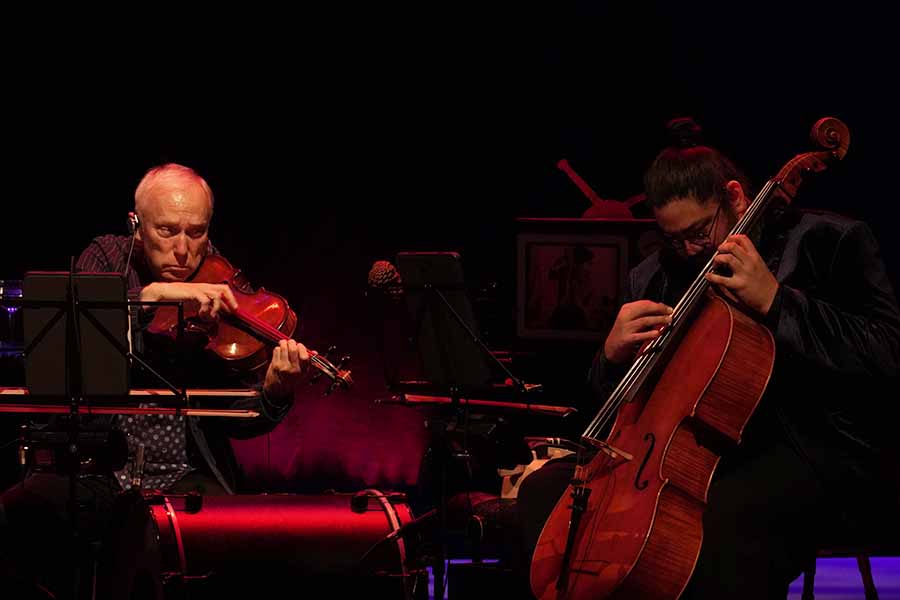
77,351
89,338
455,362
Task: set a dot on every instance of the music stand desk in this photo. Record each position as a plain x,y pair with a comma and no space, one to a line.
9,395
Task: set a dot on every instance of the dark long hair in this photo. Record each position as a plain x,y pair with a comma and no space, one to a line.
688,168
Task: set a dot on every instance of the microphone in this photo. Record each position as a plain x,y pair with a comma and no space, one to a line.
384,278
390,320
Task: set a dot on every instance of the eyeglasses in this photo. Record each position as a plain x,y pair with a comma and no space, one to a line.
697,238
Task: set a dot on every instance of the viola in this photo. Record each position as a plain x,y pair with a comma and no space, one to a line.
243,337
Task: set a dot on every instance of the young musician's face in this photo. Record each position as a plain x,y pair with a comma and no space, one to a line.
174,231
693,228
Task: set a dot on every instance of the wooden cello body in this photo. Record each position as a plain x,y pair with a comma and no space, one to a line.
630,523
644,515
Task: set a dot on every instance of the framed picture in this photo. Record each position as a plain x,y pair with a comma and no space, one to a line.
571,277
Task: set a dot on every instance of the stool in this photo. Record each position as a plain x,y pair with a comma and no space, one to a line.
862,559
881,537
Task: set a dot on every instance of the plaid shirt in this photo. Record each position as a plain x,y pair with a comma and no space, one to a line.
163,438
109,253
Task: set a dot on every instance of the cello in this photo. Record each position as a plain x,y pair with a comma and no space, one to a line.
630,523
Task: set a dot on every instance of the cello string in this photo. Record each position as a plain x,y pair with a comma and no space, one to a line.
684,306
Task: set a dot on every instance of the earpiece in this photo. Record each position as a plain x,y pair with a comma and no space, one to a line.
133,222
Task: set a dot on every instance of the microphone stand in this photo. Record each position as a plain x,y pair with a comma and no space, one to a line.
442,447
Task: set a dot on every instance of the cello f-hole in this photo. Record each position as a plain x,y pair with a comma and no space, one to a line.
643,484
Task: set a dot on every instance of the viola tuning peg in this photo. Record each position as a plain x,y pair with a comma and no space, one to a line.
343,362
330,350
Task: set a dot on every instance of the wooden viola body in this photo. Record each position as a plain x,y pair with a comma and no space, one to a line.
230,338
243,337
641,532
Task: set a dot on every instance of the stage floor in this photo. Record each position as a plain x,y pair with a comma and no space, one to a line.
838,579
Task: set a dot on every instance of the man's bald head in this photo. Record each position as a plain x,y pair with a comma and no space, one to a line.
168,179
174,205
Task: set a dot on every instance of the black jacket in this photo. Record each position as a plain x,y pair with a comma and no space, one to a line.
836,325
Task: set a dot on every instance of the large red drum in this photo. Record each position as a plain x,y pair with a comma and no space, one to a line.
173,546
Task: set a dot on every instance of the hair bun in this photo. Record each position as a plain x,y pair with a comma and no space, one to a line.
684,132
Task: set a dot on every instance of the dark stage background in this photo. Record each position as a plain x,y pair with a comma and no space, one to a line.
334,138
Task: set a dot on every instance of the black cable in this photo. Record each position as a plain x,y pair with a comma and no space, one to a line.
133,224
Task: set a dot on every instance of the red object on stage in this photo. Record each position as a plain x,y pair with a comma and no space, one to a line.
164,546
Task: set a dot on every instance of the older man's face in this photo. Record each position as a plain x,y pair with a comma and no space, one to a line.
174,231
